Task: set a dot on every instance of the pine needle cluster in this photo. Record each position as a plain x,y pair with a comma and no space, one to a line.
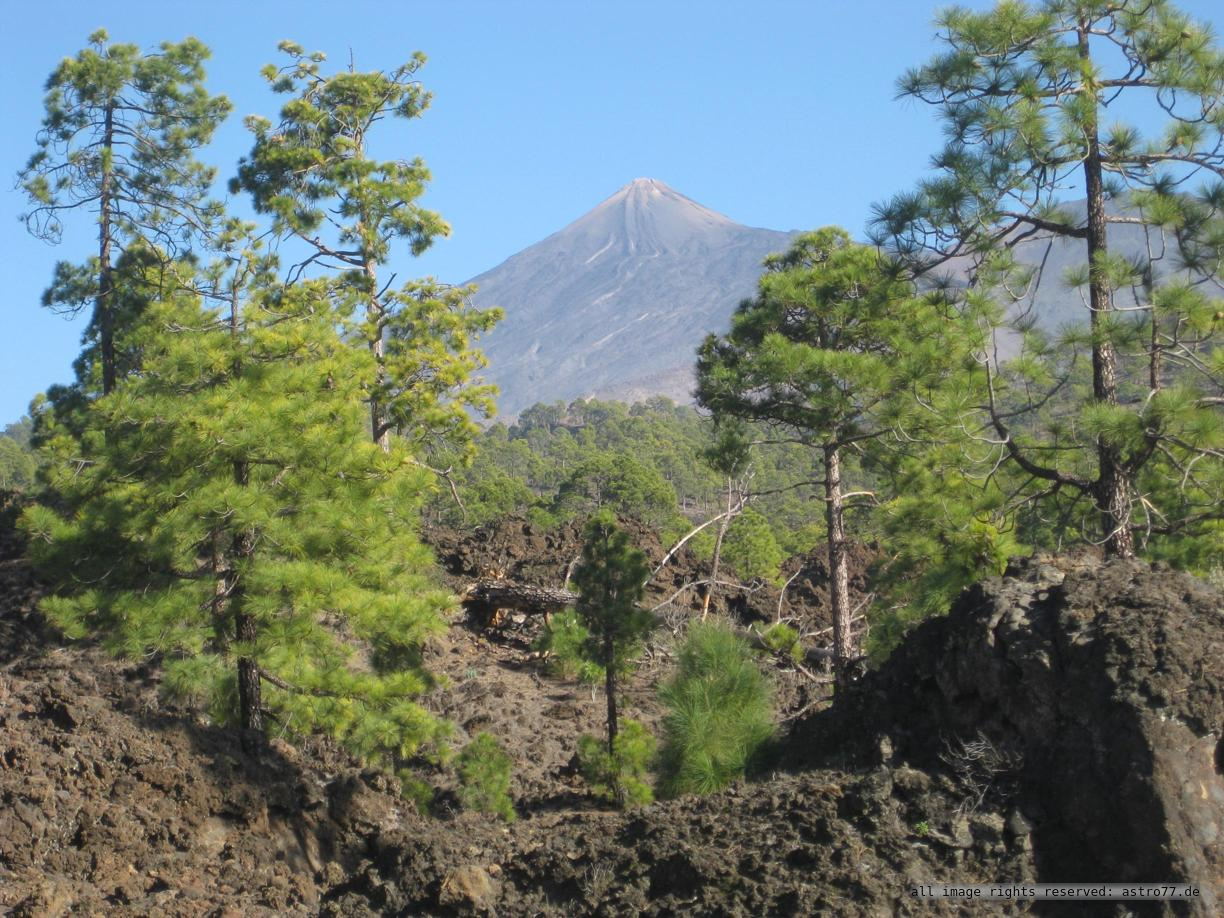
720,712
484,777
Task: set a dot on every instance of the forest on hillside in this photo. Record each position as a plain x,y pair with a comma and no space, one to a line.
266,421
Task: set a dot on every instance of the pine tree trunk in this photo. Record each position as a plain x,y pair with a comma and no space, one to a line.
1113,486
610,691
104,307
718,543
376,313
839,576
250,698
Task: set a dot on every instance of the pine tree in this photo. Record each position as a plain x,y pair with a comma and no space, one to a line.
751,549
618,482
1026,92
719,711
611,578
837,351
314,174
118,140
267,548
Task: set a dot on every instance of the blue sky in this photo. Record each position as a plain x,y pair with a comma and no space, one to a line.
778,113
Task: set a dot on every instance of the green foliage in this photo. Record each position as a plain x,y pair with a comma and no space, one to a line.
750,549
720,712
18,462
831,346
494,496
1106,420
620,483
610,579
231,508
783,639
621,777
944,528
702,544
419,793
653,452
805,539
118,139
313,174
484,777
137,119
565,639
840,352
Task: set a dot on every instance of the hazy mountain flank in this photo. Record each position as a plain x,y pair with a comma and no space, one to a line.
615,304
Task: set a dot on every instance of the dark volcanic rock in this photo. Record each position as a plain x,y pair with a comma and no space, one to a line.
1089,694
1060,724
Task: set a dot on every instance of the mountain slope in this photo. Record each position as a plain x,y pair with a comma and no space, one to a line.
615,304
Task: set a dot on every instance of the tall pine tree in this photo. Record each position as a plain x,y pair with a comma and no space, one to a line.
611,578
315,174
267,546
1029,94
118,141
837,352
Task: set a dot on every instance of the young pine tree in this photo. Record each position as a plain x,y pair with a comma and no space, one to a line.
610,579
720,712
484,777
267,547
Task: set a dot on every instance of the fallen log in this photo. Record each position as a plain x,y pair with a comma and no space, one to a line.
488,597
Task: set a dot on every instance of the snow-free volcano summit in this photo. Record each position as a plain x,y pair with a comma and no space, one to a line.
615,304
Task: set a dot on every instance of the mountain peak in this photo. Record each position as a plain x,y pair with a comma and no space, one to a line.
617,302
651,193
646,218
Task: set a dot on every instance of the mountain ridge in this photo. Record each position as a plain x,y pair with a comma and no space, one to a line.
615,303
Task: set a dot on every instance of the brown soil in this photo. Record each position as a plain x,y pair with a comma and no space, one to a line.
498,683
113,802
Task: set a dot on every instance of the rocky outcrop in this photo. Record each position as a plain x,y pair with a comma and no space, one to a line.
1062,723
1090,694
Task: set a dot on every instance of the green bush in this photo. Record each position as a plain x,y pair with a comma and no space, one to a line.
803,539
702,544
782,638
484,777
563,639
750,548
623,776
720,712
417,792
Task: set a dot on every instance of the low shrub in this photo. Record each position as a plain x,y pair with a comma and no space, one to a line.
564,640
782,638
484,777
623,776
720,712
